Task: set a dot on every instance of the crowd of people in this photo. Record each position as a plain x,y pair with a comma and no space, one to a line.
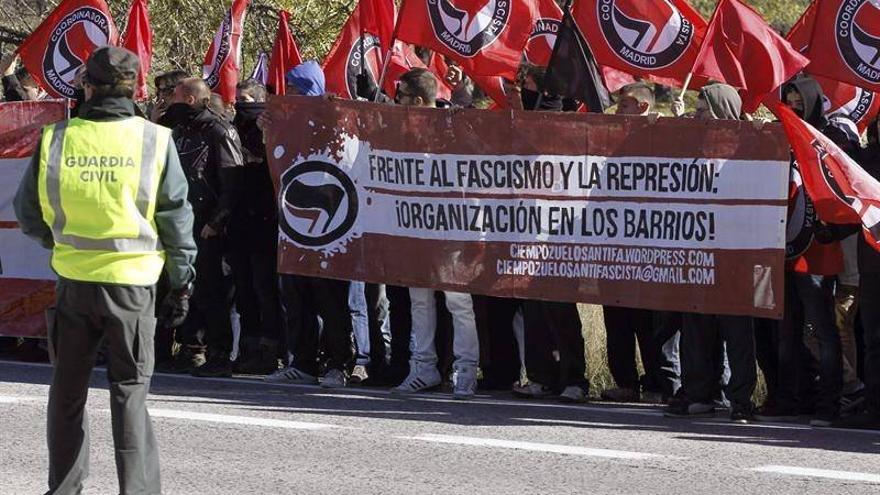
821,361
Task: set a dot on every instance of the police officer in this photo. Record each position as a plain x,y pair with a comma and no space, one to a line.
106,193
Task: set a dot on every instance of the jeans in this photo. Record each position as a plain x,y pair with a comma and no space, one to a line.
370,323
466,345
869,295
357,305
809,301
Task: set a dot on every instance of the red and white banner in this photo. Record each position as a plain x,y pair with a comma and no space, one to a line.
223,60
846,42
485,203
645,38
27,286
56,50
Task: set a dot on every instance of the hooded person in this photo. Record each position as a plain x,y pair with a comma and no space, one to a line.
814,259
706,338
316,311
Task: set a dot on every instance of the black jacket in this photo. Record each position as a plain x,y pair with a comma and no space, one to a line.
869,258
12,90
258,203
210,152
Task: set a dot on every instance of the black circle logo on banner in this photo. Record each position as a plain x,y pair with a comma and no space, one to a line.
801,219
73,39
211,73
468,31
319,203
542,39
652,39
863,103
858,38
366,53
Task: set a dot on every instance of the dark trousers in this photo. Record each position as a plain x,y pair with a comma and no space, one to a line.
400,314
766,346
208,324
701,337
499,352
254,269
306,299
623,326
809,300
869,296
122,317
554,327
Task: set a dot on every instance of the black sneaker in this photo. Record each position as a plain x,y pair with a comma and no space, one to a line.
685,409
852,402
215,367
741,415
773,412
183,363
257,365
865,420
824,420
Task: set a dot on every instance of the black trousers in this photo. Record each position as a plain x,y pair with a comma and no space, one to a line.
869,295
701,366
208,324
306,299
401,328
85,315
623,326
255,272
551,329
499,352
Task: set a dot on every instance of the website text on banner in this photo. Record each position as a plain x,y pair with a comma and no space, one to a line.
27,284
675,214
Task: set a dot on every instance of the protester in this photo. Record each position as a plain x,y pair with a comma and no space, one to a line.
18,85
211,155
165,85
253,242
809,282
418,88
707,341
316,310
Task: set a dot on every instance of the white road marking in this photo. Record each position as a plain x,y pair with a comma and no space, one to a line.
550,422
536,447
819,473
237,420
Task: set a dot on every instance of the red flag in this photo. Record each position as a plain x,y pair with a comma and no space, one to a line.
743,51
285,55
846,42
645,38
842,192
63,42
354,51
486,38
859,104
802,32
139,39
223,60
543,37
378,19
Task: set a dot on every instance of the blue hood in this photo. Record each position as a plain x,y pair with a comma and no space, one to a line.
308,78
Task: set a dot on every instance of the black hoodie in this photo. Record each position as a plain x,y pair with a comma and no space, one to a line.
258,194
811,92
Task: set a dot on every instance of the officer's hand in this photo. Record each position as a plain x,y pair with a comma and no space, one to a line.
175,307
208,232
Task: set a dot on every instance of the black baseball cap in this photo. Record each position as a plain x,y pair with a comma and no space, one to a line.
111,65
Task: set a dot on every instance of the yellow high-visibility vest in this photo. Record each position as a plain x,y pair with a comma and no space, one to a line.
98,183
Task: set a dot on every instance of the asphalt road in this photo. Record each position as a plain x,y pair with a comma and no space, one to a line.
241,436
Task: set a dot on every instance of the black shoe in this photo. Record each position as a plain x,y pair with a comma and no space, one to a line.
257,365
825,420
686,409
214,367
772,412
741,415
183,363
865,420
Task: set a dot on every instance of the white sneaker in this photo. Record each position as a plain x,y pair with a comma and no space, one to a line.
423,376
293,376
334,379
532,390
573,395
359,374
464,382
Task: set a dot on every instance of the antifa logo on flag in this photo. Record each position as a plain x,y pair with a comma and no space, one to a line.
212,71
861,105
857,32
869,213
73,39
540,46
365,56
648,38
468,32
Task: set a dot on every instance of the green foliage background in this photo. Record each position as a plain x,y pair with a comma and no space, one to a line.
183,29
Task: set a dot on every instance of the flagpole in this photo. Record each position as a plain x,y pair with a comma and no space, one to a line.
387,61
687,81
566,11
